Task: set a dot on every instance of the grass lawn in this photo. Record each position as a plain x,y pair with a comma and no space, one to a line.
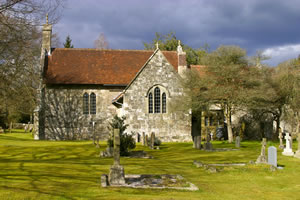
71,170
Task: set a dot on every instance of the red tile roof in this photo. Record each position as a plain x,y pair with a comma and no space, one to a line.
199,68
91,66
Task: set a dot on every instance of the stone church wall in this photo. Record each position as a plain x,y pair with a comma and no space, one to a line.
169,126
64,118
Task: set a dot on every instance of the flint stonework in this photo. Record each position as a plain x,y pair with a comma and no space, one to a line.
168,126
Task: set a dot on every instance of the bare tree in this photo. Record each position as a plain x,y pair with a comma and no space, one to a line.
101,42
20,52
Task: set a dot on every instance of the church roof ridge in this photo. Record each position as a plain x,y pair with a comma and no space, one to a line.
93,49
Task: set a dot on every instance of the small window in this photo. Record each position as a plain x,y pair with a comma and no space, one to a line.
150,101
93,103
156,100
86,103
164,103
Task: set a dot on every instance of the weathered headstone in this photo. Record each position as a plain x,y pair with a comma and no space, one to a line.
152,140
288,151
281,146
211,136
137,139
197,141
144,139
116,174
238,142
208,145
262,157
297,154
272,156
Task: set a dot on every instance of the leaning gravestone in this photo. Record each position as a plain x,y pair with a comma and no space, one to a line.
238,141
297,154
281,146
288,151
272,156
262,159
116,173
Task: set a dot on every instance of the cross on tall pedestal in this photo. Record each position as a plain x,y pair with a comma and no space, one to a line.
116,173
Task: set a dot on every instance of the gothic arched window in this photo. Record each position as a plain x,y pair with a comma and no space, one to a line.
92,103
164,103
157,100
150,102
86,103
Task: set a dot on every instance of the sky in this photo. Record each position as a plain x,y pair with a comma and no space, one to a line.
270,26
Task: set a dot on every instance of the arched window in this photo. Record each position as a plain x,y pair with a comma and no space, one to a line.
164,103
86,103
150,102
92,103
157,100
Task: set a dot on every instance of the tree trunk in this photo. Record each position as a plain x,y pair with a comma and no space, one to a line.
229,126
10,127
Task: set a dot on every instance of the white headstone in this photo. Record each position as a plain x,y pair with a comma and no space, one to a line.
288,151
272,156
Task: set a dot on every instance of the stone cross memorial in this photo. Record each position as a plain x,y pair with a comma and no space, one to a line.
272,156
288,151
262,157
116,173
281,146
208,144
297,154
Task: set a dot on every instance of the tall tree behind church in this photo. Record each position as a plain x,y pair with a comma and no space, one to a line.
101,42
169,42
68,43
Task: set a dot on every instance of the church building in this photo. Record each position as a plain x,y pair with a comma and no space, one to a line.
81,90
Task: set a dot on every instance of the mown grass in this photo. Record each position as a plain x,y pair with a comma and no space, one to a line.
71,170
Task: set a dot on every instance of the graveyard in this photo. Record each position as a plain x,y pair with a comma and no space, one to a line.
32,169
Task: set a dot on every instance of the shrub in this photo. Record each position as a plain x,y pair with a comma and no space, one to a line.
127,142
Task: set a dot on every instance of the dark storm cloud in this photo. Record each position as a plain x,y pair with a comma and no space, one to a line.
251,24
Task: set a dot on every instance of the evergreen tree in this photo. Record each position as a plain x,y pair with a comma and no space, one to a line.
68,43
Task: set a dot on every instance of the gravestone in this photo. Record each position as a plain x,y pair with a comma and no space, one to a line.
197,141
152,140
288,151
272,156
144,139
281,146
262,159
211,136
137,139
238,142
116,173
208,145
297,154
